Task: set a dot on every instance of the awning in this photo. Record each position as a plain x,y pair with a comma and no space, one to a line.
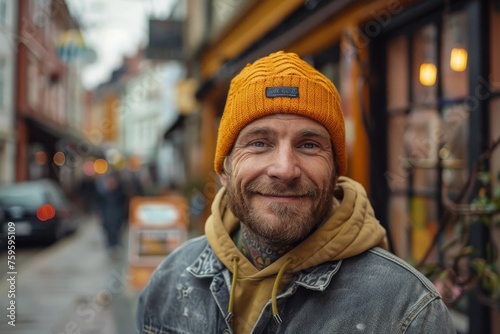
50,134
297,25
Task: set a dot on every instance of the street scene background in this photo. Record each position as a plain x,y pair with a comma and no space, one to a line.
109,112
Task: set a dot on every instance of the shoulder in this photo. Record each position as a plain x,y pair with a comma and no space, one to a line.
168,272
399,267
409,299
386,269
173,270
159,298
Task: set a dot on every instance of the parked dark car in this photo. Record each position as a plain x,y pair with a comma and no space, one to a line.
39,209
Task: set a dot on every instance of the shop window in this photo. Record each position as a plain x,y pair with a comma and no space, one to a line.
3,12
453,152
454,58
421,143
397,74
427,86
424,66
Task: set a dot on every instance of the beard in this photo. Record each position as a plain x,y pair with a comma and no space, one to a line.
281,223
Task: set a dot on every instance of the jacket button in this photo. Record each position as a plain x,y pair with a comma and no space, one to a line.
226,331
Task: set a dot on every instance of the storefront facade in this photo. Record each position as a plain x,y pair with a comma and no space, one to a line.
420,92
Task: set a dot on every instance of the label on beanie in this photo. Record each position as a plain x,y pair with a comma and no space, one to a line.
282,91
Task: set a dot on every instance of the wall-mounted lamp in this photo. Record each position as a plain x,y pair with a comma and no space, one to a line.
428,69
458,59
458,54
428,72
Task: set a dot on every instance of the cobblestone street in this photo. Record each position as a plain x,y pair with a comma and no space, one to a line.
71,287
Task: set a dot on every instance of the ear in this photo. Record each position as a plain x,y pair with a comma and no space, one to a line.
223,177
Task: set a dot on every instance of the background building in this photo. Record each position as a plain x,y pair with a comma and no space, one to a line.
8,47
49,96
147,110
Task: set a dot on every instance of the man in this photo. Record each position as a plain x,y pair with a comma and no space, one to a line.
110,200
291,246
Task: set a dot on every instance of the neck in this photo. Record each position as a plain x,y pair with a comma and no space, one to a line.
260,251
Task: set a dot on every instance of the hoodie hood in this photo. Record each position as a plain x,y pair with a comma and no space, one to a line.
351,230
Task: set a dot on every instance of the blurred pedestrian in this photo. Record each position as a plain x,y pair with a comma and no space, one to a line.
111,201
132,186
292,246
86,192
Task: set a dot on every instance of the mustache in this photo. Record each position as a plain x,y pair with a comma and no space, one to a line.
273,188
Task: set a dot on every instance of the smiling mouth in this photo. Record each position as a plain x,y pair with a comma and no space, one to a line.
283,197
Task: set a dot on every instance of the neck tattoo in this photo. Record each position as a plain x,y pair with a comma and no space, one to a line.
259,251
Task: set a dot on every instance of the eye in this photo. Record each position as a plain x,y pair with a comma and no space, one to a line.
258,144
310,145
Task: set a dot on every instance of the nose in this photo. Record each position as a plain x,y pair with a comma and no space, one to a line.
284,165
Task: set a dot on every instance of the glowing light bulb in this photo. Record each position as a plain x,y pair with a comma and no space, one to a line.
428,73
458,59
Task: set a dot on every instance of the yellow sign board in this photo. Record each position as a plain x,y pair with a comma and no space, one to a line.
157,225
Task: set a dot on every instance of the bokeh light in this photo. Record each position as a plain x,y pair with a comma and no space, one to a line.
45,212
59,158
428,73
41,158
88,168
100,166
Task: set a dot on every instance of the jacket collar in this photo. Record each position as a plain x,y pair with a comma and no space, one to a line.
320,276
206,265
317,278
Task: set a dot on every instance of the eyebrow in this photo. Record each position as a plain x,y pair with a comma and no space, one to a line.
314,133
264,130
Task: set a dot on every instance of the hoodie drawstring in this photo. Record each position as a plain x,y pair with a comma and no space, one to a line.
229,315
274,302
274,293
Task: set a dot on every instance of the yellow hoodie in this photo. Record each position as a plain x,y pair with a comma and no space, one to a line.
351,230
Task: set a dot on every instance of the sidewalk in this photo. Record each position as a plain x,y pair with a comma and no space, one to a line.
72,287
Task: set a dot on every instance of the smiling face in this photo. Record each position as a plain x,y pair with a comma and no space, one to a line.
280,177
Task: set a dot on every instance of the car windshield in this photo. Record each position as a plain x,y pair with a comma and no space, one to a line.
28,197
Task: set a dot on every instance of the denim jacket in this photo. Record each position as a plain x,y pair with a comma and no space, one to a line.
374,292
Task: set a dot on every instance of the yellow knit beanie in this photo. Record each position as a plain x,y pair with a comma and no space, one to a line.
281,83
